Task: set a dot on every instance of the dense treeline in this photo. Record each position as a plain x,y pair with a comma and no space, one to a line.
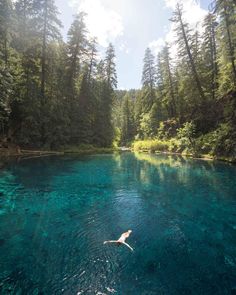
55,93
191,95
52,93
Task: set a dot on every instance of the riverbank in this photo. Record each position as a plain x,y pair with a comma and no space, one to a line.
85,149
7,154
174,147
88,149
202,156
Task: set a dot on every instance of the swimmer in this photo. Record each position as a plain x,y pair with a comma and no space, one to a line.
121,240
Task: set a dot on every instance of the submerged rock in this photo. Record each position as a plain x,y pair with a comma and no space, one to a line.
2,242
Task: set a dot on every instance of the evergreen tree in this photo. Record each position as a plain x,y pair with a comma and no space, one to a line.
227,40
110,68
184,42
92,60
169,96
6,23
108,82
210,70
48,26
76,49
127,119
149,79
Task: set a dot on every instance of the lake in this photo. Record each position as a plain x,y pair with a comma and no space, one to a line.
56,212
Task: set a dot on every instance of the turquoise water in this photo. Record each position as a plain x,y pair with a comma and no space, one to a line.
56,212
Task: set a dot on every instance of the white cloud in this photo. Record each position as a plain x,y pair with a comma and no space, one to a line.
156,45
123,48
103,23
193,14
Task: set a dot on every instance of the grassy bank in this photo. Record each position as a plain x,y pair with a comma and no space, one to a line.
86,149
176,146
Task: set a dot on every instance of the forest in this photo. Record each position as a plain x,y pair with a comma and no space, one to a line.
56,94
52,93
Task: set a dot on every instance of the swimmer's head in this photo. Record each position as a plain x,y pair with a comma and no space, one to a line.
130,231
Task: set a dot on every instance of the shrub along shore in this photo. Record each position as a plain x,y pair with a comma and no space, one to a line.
206,147
175,146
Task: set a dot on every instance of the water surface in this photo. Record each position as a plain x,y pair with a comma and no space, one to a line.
56,212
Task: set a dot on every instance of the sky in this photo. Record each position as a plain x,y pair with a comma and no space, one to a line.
132,26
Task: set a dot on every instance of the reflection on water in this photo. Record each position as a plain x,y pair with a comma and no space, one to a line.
56,212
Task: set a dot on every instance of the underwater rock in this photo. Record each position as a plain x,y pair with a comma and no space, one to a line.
151,267
35,214
2,242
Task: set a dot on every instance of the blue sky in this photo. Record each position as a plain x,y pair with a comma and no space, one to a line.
132,26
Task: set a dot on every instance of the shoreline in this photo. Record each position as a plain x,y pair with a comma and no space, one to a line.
199,157
7,154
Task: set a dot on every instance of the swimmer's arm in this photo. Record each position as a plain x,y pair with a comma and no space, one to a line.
128,246
111,241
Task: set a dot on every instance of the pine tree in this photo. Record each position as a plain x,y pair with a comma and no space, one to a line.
107,83
5,96
227,40
183,40
7,64
210,70
48,26
110,68
148,79
24,25
6,18
149,72
167,77
76,49
127,119
92,59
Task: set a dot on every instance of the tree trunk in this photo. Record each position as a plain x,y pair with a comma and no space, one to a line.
43,73
173,104
195,74
43,65
214,65
231,46
5,49
91,63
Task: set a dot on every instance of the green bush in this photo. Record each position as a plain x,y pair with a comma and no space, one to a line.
150,145
220,142
167,129
186,136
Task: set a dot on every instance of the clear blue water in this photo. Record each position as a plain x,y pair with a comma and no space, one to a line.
56,212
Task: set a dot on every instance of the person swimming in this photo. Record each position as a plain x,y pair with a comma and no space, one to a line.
121,240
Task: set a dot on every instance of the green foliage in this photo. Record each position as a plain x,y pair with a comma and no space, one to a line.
55,93
167,129
87,149
52,93
196,90
117,138
186,135
150,145
6,91
146,125
220,142
149,72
